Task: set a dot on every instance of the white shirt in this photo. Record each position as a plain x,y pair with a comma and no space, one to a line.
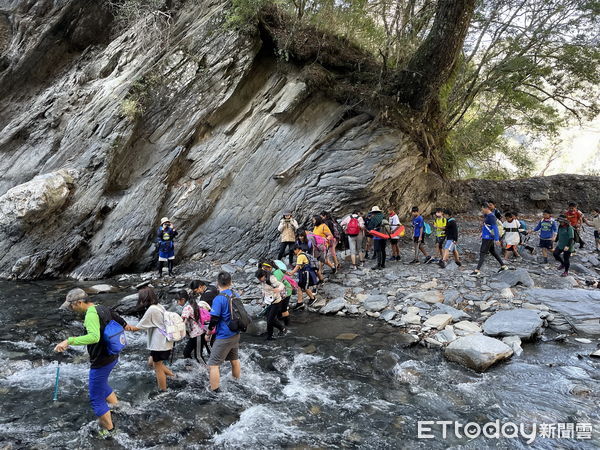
511,229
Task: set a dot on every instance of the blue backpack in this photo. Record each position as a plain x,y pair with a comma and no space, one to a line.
426,229
113,334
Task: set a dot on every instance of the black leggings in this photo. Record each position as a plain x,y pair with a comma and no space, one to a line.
290,252
564,260
273,311
285,307
380,251
488,246
191,347
161,264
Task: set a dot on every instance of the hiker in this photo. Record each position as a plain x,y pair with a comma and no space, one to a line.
575,218
287,227
102,397
321,229
192,317
227,342
439,225
512,235
272,297
394,240
354,227
494,210
595,223
337,237
564,244
177,305
204,292
308,245
154,323
451,240
307,276
523,234
283,278
380,224
548,229
418,224
490,238
165,236
368,236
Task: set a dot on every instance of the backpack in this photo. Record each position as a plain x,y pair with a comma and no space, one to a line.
174,326
204,319
312,261
292,282
426,229
336,230
318,242
353,227
239,317
113,334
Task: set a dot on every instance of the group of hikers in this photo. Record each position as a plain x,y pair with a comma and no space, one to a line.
211,316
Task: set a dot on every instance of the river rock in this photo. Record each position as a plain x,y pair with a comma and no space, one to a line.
346,336
513,342
335,305
411,319
427,296
127,305
467,326
457,314
581,269
580,307
515,277
388,315
523,323
451,297
101,289
375,303
438,321
477,351
506,293
445,336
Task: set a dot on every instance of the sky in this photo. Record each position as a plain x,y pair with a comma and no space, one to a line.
580,150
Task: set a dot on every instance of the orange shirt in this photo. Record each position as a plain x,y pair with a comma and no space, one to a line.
574,217
323,231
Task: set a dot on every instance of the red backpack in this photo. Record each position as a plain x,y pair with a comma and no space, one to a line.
353,227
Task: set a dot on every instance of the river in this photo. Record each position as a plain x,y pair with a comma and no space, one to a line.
369,392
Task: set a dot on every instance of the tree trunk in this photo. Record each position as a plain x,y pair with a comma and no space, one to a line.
432,64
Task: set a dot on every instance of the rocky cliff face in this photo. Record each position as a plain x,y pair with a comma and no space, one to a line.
103,133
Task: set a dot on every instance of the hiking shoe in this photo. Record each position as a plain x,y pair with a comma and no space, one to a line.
283,332
561,267
414,261
442,264
333,270
476,273
313,301
427,259
458,263
564,274
503,268
298,306
105,434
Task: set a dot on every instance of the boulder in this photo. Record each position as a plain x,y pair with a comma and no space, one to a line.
335,305
427,296
513,342
582,270
37,199
127,305
101,289
523,323
375,303
579,307
438,321
457,314
515,277
478,352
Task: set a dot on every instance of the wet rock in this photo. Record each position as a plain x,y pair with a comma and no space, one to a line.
309,349
127,305
477,351
426,296
438,321
346,336
456,314
467,326
523,323
352,309
513,342
101,289
375,303
445,336
515,277
333,290
388,315
334,306
580,307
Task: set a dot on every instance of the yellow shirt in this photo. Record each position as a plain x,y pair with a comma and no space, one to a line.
440,226
322,230
302,260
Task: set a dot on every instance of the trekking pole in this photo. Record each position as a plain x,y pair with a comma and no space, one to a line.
55,396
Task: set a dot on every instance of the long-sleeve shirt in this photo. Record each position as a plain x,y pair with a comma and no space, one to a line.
566,238
547,229
511,232
287,228
489,230
272,291
96,347
152,321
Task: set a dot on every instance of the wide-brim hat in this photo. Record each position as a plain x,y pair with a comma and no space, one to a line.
164,220
73,296
375,209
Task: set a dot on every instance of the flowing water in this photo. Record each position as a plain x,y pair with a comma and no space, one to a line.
365,393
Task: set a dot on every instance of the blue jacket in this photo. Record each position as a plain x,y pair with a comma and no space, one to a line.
547,228
489,230
164,240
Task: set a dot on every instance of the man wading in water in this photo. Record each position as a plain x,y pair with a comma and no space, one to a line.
101,363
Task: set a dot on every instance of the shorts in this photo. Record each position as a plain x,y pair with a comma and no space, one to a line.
439,240
416,239
99,388
511,246
306,279
160,355
224,350
546,243
170,258
450,245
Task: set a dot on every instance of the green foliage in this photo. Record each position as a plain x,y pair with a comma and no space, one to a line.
131,109
243,14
